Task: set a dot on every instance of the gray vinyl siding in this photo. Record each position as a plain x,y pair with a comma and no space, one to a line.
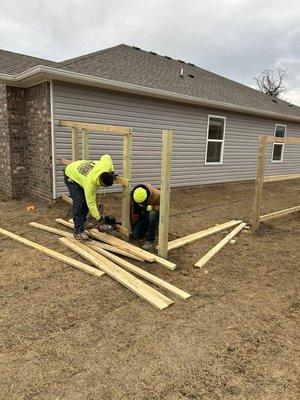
148,117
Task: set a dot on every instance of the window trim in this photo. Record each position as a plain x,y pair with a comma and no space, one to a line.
215,140
282,144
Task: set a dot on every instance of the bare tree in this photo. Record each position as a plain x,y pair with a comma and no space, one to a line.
271,81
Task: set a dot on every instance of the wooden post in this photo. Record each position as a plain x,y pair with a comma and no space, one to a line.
85,144
75,150
165,194
259,182
127,150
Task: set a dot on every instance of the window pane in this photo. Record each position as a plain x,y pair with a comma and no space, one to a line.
280,131
277,152
214,151
216,128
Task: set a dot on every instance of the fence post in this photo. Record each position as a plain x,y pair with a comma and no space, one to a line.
259,182
164,212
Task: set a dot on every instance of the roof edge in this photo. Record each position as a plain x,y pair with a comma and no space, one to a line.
41,73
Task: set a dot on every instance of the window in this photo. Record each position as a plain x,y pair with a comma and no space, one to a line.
215,139
277,152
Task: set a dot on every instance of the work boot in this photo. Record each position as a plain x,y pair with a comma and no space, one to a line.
82,236
148,245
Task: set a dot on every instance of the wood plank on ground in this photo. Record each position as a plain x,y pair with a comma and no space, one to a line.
96,243
123,277
140,272
220,245
174,244
54,254
116,242
279,214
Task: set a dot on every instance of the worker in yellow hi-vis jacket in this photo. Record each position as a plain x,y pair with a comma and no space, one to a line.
83,178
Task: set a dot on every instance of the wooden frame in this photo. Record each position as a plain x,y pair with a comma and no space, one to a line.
260,177
164,209
124,180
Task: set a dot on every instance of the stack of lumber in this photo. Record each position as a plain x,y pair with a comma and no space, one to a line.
103,253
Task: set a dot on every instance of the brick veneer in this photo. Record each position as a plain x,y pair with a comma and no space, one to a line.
25,138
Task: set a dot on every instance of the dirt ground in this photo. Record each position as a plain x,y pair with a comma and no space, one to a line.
68,335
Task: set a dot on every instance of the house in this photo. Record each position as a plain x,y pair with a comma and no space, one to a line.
216,121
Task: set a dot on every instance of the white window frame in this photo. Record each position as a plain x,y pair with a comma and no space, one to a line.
215,140
282,144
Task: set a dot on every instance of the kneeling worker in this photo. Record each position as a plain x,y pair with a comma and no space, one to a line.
83,178
144,214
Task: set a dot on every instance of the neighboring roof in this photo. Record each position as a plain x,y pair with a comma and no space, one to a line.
125,64
14,63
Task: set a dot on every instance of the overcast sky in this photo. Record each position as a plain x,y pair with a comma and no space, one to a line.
234,38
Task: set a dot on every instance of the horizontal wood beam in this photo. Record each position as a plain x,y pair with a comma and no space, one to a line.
286,140
279,214
281,177
118,130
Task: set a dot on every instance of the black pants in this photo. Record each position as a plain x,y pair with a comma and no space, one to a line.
80,208
146,225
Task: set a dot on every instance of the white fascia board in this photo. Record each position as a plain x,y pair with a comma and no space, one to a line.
42,73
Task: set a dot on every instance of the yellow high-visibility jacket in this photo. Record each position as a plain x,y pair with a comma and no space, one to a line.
86,174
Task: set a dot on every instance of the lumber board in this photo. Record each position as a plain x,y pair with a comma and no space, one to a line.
208,256
128,247
85,141
47,228
121,180
140,272
63,161
54,254
174,244
126,172
106,238
278,214
96,243
67,199
120,275
164,209
119,130
112,249
286,140
281,177
259,182
75,144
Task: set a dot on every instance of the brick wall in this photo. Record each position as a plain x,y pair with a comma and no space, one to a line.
38,129
25,141
5,175
17,141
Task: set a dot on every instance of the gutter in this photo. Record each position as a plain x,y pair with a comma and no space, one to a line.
42,73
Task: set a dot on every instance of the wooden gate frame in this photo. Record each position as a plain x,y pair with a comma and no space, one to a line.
125,179
260,179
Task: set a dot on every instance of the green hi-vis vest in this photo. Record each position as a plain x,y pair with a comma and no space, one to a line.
86,174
